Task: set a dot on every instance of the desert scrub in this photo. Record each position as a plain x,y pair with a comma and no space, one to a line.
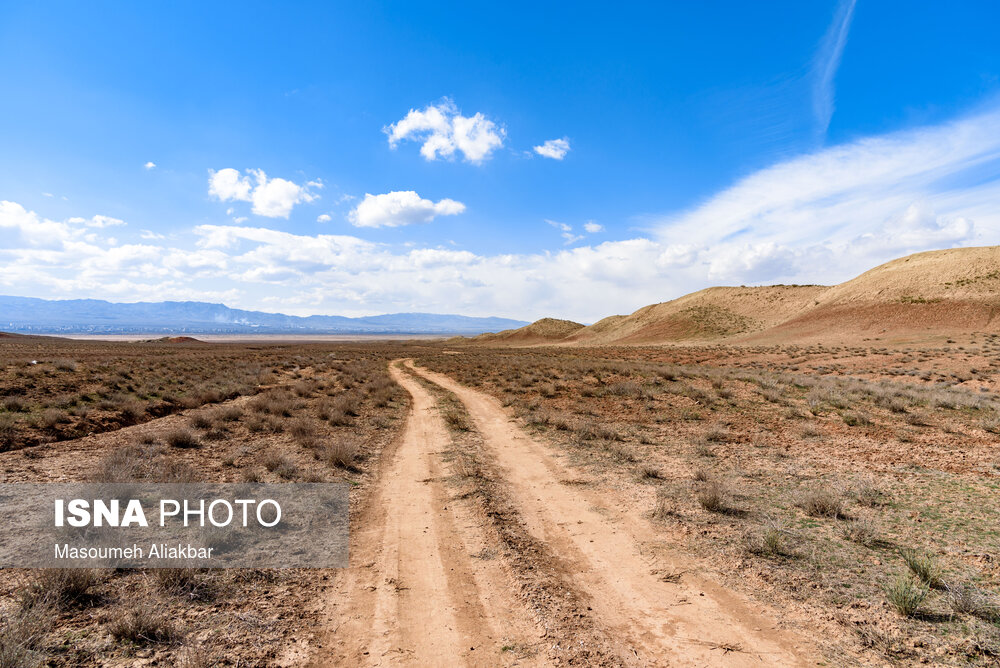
923,566
714,497
823,503
906,595
183,438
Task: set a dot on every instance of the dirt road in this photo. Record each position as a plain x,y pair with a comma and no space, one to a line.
414,595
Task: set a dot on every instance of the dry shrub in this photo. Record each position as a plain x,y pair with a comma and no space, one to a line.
456,420
302,431
714,497
191,583
649,473
22,633
14,404
862,531
823,503
967,599
59,586
280,464
183,438
201,421
342,453
767,540
52,417
129,463
142,624
227,414
868,492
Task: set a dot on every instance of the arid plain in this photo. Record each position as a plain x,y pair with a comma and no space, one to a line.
792,475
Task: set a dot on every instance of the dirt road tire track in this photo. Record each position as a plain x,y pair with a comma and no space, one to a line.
413,594
694,622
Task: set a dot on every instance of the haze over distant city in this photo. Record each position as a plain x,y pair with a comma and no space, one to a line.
384,158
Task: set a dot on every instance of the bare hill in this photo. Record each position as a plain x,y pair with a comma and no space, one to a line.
546,330
926,295
706,315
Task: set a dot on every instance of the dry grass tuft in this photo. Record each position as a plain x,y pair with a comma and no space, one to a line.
183,438
823,503
906,595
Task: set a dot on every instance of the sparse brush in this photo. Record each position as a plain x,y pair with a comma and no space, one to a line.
714,497
143,625
823,503
650,474
22,633
227,414
59,586
767,540
302,431
14,404
906,595
456,420
182,438
342,453
702,474
280,464
923,566
862,531
868,493
52,417
856,419
717,435
191,583
664,507
886,643
129,463
967,599
201,421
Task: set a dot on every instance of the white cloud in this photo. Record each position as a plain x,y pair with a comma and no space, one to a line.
150,235
97,221
149,165
401,207
554,148
228,184
323,218
592,227
443,131
272,198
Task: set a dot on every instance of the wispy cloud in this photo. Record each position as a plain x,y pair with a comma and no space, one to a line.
827,61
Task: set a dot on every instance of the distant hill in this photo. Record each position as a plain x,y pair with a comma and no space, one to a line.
545,330
93,316
927,295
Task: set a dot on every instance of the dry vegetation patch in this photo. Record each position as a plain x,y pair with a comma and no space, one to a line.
245,413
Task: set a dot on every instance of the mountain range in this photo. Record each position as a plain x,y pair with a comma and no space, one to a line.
93,316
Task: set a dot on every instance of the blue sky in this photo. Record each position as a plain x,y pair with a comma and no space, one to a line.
522,161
